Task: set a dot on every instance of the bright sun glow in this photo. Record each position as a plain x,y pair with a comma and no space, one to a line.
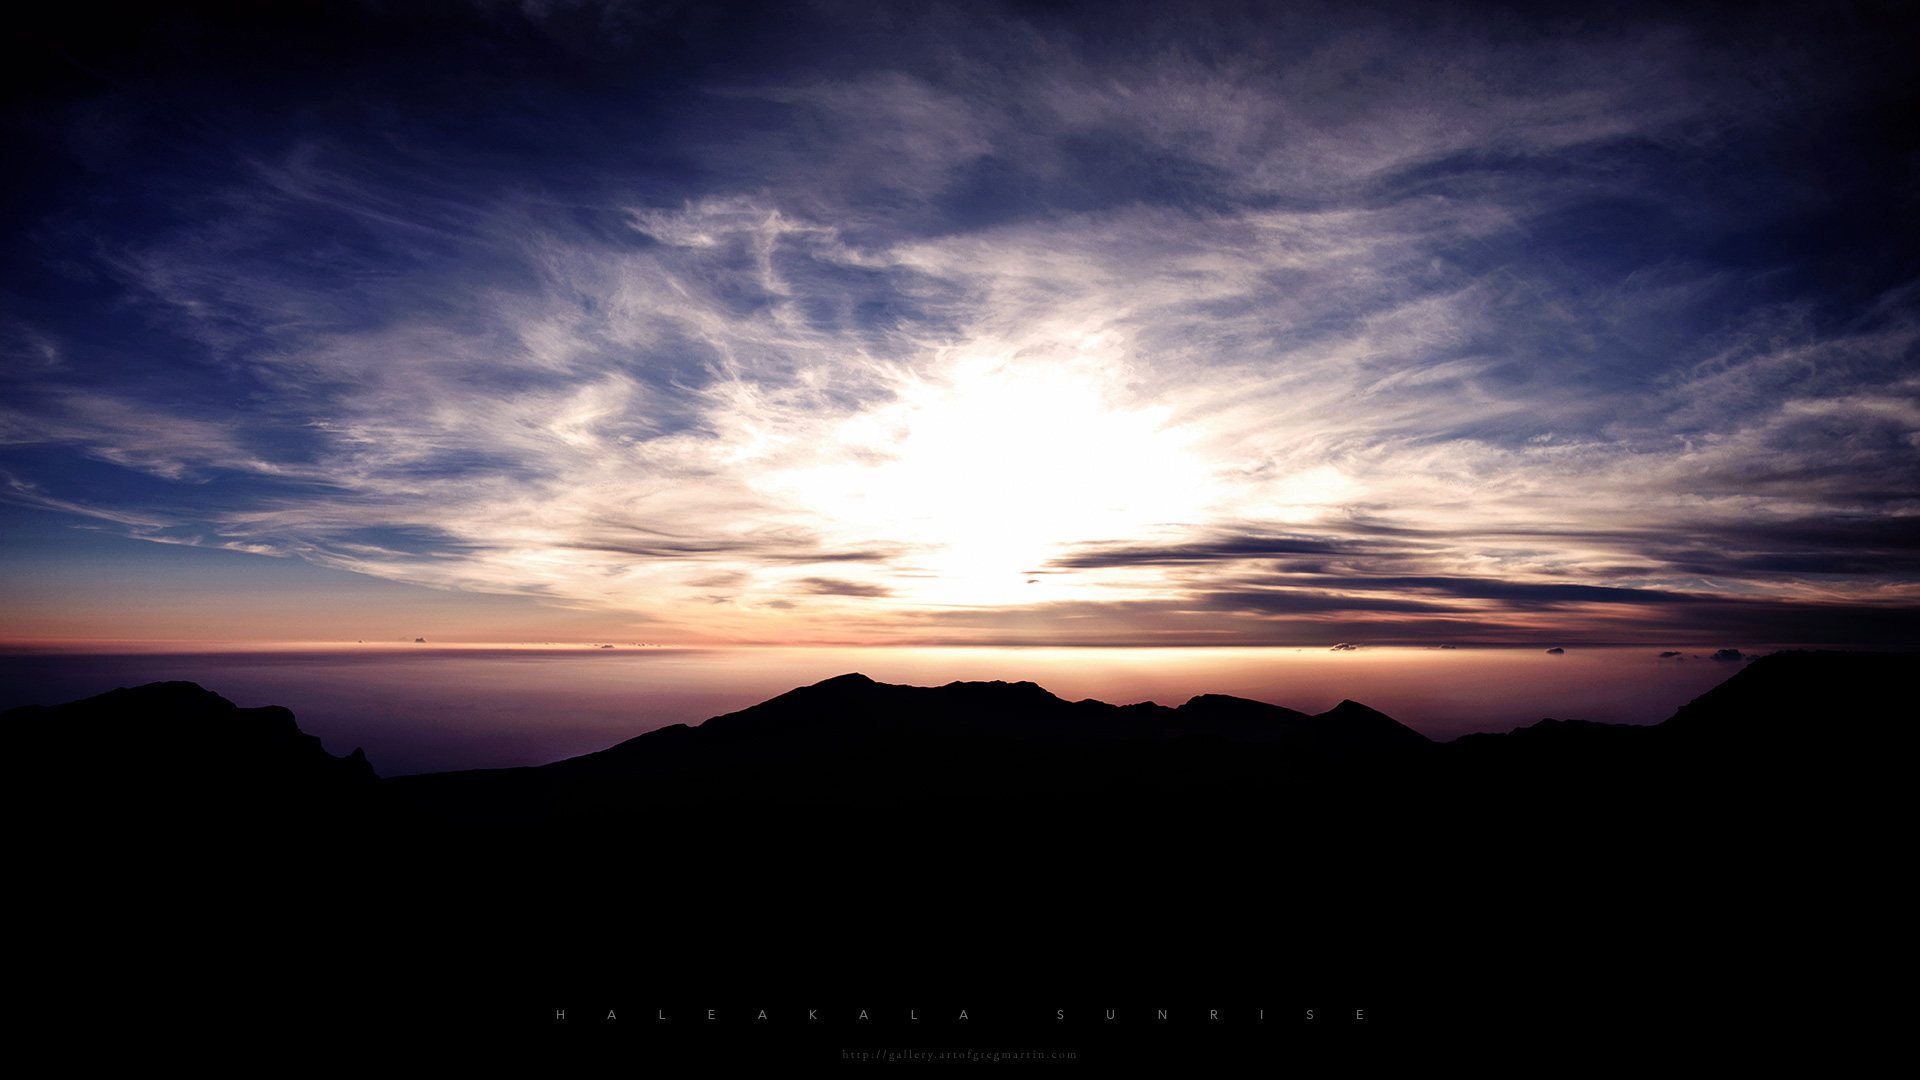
987,472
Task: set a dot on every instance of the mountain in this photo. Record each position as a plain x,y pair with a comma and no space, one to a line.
1818,697
852,741
854,707
174,749
974,837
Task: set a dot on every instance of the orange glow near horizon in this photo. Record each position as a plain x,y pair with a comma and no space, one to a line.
435,706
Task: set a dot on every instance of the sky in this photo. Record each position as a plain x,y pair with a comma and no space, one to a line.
969,324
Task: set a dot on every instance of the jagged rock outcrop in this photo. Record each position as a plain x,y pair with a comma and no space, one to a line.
150,754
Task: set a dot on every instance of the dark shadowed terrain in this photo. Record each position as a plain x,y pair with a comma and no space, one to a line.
987,838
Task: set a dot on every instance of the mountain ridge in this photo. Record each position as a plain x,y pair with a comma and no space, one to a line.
850,704
909,852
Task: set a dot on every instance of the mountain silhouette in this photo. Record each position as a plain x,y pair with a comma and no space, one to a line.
983,835
175,749
851,741
854,706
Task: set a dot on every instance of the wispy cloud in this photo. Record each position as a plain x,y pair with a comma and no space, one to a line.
1386,327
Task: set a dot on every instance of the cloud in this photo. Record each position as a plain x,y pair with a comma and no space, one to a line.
966,318
1093,556
820,586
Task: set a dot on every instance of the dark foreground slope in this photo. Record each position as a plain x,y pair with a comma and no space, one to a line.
164,840
855,836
